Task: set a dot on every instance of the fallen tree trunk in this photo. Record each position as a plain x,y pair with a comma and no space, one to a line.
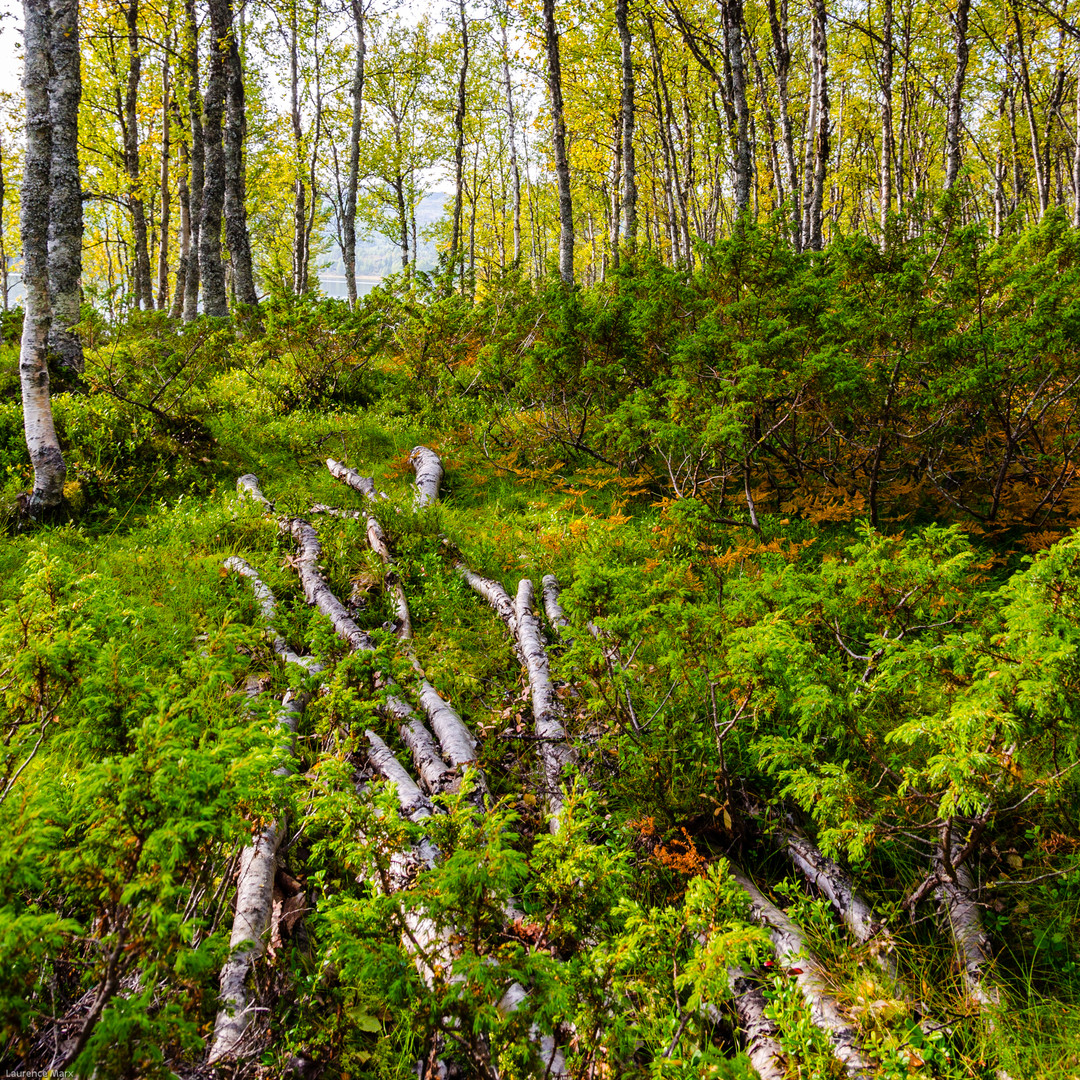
760,1033
549,593
555,753
969,937
497,598
429,475
422,936
791,951
436,774
839,889
258,865
612,657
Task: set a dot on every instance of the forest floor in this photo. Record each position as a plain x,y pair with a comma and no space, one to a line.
140,687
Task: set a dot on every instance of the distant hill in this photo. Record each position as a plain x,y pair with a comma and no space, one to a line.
376,256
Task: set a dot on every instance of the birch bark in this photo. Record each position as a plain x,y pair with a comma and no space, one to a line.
236,229
562,161
65,195
211,268
629,166
956,94
47,495
192,271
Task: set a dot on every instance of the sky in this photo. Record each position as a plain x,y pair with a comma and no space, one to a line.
10,45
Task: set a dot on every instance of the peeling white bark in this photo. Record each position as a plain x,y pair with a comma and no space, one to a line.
457,741
760,1033
377,540
498,598
436,774
247,943
970,938
247,487
791,950
268,607
555,753
258,865
549,591
429,475
363,484
855,912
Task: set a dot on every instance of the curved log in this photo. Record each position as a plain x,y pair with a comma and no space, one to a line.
810,977
365,485
497,597
762,1046
437,775
549,592
247,487
429,475
555,753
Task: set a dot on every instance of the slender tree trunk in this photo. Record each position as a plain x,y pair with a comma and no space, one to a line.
511,117
1076,163
629,168
300,259
888,149
223,27
211,268
403,221
562,162
143,289
1042,181
615,210
47,495
808,149
778,27
3,245
348,226
192,272
163,249
814,239
953,121
184,260
459,143
65,187
736,61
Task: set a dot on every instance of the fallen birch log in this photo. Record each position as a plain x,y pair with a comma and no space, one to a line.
809,975
436,774
555,753
759,1032
839,889
422,935
429,475
969,937
457,742
258,865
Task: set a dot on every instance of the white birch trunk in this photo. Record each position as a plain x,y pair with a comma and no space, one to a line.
972,944
258,864
835,882
555,753
429,475
47,496
549,592
499,600
812,981
377,540
760,1033
434,771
